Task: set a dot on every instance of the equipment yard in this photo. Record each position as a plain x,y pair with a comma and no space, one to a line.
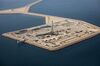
56,35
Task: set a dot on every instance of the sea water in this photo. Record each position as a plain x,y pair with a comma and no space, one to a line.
84,53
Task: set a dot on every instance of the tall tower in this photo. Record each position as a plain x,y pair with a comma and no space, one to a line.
52,29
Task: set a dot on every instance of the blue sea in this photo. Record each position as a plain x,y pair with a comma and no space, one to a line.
84,53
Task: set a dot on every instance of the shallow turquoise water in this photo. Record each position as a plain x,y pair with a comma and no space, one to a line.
85,53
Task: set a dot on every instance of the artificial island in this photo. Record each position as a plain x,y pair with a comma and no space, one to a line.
56,33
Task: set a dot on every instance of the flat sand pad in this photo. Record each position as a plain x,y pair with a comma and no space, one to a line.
65,33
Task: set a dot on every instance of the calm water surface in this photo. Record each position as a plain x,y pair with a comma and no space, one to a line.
85,53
